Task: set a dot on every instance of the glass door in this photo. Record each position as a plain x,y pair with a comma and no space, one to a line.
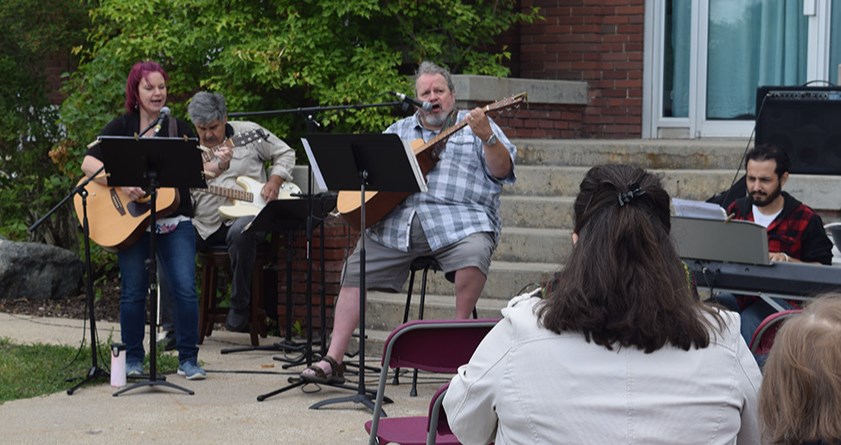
709,56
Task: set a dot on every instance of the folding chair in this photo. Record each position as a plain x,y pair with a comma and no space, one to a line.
418,430
763,337
431,345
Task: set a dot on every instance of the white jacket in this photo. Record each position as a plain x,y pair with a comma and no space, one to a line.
528,385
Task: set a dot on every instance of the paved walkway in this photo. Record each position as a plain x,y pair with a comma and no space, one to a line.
224,409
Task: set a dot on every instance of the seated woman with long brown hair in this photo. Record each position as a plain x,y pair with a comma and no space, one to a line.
620,350
800,398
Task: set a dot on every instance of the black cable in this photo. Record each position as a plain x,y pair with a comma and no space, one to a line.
825,82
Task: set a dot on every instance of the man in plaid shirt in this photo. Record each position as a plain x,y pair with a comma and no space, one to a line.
795,231
456,221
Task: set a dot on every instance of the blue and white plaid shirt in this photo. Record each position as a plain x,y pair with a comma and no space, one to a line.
463,196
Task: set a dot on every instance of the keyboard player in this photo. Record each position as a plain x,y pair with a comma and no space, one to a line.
795,231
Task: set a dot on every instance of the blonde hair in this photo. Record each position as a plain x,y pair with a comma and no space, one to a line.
800,397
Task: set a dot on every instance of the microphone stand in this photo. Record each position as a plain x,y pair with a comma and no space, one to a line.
94,372
308,110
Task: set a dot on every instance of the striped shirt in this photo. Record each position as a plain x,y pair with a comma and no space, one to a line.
463,196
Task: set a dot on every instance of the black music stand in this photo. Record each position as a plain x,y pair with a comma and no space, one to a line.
152,163
350,162
292,214
288,214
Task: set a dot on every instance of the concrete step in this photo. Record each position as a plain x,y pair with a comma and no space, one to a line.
374,343
385,310
691,169
505,279
523,244
564,181
539,212
650,154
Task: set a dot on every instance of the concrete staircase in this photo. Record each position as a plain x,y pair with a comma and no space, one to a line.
537,213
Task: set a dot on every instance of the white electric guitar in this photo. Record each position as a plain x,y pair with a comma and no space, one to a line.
248,201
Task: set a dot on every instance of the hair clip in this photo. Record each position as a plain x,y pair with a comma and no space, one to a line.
634,192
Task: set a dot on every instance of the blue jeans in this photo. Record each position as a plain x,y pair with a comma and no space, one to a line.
176,254
242,250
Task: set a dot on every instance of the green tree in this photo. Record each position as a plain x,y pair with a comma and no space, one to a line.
261,54
283,54
33,33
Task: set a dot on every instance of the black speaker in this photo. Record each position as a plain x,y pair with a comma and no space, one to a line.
803,121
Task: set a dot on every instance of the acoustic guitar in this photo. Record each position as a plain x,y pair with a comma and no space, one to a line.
379,204
115,220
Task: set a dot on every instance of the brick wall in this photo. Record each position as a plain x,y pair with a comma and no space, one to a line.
597,41
339,241
542,121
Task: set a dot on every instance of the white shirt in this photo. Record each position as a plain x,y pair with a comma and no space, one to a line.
528,385
763,219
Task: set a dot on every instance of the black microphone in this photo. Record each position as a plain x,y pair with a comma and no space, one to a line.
160,119
425,106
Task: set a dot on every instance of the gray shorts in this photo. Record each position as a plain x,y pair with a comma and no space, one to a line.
387,268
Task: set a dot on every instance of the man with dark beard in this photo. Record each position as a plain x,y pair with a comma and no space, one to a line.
795,231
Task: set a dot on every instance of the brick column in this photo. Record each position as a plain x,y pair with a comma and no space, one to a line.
339,241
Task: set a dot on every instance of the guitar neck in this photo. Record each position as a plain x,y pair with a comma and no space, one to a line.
496,106
239,195
443,136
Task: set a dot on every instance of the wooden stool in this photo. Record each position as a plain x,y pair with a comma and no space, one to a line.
212,262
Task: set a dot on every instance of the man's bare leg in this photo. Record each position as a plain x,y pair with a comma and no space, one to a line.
345,321
469,284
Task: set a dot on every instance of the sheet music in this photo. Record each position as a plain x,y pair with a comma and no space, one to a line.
698,209
413,161
409,154
319,178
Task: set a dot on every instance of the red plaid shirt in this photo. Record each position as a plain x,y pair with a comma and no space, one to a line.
797,231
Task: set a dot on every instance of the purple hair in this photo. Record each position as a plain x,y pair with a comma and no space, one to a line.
140,70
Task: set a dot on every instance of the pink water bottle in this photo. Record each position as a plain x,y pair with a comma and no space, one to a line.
118,365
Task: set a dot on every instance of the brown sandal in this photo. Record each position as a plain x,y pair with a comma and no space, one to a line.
336,376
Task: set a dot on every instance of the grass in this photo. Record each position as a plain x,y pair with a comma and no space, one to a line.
34,370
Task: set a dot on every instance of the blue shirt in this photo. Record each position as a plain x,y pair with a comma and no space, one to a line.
463,196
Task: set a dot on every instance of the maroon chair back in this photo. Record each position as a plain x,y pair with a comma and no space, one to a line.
434,346
763,337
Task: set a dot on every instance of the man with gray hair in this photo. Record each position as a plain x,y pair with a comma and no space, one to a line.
209,115
456,221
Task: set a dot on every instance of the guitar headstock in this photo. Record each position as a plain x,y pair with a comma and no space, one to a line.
248,137
508,102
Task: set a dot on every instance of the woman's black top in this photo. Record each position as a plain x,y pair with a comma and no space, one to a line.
129,125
